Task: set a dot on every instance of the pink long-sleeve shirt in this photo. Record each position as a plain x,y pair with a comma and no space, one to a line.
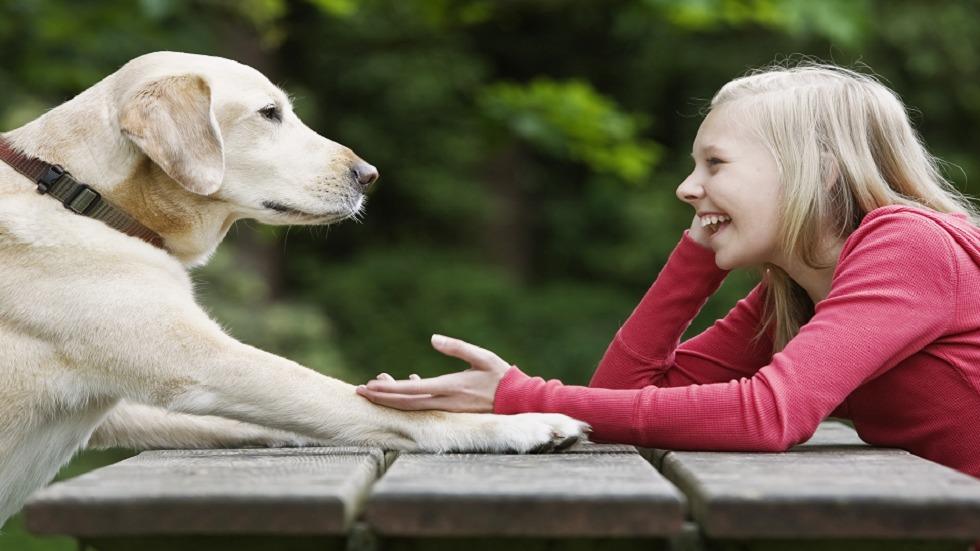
894,347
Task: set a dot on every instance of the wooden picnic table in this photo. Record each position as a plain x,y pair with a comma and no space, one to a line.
833,492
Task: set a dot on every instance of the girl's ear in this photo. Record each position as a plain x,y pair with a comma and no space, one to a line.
172,121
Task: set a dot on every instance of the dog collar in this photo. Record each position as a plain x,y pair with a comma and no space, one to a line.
80,198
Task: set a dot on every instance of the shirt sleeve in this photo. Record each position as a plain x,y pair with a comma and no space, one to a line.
893,293
645,350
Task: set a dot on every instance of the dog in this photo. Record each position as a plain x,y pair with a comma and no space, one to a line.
101,341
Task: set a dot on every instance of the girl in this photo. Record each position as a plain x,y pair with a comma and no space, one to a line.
868,309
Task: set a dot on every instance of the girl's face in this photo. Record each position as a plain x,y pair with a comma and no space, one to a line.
734,176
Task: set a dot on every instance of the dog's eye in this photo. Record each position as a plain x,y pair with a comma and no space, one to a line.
271,112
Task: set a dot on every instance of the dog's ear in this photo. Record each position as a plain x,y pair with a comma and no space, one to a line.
172,121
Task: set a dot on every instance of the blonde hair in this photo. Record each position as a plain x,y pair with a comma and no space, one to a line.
844,146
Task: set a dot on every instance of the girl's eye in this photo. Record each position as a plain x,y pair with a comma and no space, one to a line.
271,112
712,161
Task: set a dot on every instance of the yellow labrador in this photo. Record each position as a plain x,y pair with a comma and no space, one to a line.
101,341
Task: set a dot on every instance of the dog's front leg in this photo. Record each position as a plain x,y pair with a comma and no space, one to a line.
177,358
244,383
140,427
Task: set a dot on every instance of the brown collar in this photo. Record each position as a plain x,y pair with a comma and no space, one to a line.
77,197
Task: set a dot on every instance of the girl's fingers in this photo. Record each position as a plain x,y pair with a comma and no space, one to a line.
463,350
412,386
414,377
384,377
409,402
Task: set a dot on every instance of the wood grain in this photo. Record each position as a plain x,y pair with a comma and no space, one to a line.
578,494
248,491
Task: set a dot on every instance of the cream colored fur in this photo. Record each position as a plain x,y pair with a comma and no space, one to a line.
101,340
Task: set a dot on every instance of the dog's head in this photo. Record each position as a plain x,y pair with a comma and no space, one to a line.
221,129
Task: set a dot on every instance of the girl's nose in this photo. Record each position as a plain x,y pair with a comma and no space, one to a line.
690,190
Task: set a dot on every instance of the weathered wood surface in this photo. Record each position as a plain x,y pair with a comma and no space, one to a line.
833,486
589,491
250,491
832,489
830,433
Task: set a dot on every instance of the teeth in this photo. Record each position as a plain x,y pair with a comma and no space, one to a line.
713,219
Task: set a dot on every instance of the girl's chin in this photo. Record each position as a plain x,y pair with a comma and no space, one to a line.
722,265
725,263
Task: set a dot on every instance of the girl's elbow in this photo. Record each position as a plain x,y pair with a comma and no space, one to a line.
774,444
782,439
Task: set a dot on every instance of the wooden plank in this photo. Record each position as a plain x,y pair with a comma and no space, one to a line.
590,492
247,491
833,486
594,448
829,433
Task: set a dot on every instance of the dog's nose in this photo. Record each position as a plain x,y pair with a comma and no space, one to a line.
364,173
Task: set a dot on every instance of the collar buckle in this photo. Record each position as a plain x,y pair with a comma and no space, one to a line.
50,177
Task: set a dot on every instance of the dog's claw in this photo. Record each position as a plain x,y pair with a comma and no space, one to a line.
561,440
566,443
542,448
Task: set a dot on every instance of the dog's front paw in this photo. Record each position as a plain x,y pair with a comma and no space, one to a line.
538,433
522,433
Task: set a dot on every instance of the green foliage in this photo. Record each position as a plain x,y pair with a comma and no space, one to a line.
336,7
286,327
845,22
571,121
557,330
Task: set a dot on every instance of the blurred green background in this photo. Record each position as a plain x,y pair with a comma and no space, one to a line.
529,152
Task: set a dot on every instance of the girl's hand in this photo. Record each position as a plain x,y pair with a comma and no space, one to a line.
698,233
471,390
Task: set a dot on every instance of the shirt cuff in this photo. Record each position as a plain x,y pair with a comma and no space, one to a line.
513,392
